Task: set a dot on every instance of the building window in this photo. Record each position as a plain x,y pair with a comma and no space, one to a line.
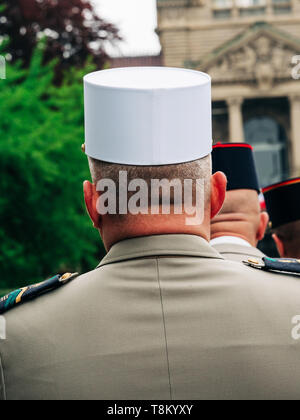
225,9
270,149
220,121
222,8
250,3
251,7
223,4
281,6
222,14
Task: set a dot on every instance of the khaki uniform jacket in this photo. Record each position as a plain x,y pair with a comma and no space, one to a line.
163,317
239,253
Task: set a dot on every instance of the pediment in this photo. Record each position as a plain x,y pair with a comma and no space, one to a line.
261,55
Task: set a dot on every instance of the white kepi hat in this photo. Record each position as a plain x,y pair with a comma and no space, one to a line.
148,116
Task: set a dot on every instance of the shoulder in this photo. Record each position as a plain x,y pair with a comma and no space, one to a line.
288,266
250,273
25,294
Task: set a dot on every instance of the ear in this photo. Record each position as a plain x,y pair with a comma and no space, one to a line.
218,192
264,220
90,197
279,245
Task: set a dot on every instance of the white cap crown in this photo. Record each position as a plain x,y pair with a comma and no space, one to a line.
148,115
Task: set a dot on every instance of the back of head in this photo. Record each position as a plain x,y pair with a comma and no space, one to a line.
287,239
240,216
198,169
148,200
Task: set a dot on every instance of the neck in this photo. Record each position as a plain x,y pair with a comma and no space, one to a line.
113,231
233,227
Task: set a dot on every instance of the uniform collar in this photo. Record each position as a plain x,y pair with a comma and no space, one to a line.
229,240
160,245
239,250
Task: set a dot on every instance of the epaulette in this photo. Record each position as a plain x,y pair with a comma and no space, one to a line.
31,292
280,265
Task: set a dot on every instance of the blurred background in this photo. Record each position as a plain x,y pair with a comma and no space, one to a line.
246,45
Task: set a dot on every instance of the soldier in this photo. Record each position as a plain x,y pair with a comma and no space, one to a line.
283,205
164,315
240,225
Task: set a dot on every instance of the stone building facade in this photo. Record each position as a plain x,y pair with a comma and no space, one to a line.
250,49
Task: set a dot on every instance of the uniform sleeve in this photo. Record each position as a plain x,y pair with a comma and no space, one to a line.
2,382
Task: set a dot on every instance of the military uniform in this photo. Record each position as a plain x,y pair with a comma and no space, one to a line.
162,317
236,249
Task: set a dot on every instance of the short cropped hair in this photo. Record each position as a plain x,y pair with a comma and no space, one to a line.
200,169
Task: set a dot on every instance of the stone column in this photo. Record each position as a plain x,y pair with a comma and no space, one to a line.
269,7
235,10
236,125
295,133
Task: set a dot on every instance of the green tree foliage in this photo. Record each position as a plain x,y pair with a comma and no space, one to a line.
44,228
